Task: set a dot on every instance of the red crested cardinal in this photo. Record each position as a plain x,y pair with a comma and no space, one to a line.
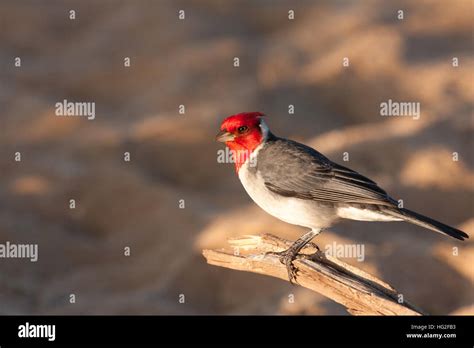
297,184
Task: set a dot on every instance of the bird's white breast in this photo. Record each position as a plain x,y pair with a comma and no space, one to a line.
291,210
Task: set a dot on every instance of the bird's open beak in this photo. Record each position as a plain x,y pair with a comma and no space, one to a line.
224,136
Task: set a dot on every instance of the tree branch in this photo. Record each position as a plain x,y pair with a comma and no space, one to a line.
358,291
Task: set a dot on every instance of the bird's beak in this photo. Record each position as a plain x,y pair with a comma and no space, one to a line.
224,136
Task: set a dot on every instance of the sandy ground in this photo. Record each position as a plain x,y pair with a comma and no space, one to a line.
136,204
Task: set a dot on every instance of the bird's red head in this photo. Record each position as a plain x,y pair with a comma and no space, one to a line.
242,133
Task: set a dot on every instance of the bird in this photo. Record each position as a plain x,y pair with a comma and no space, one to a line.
298,185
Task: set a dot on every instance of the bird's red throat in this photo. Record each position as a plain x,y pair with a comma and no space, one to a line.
243,146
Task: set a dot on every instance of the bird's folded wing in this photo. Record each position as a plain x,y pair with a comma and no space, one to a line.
305,173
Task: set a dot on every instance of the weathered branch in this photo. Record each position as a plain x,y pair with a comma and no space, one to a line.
358,291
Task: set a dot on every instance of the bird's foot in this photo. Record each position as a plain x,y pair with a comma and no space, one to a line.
318,255
287,257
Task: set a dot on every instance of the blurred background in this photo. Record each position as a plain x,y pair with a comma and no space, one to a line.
190,62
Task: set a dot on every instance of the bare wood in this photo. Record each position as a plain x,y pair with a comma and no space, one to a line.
358,291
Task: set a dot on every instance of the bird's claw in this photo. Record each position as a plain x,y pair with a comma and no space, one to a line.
317,256
287,257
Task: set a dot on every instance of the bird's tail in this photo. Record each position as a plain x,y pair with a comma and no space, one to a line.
426,222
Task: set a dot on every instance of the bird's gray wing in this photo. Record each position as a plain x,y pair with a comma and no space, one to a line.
296,170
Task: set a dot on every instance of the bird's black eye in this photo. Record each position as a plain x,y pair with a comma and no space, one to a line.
242,129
